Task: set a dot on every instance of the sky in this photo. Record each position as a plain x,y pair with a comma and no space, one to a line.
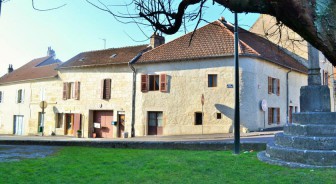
26,34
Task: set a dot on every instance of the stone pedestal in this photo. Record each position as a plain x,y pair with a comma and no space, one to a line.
310,142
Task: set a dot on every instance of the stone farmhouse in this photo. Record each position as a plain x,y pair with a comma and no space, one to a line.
157,89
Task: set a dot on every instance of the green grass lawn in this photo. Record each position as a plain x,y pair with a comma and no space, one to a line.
100,165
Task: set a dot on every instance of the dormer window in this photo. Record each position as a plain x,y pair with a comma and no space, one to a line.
82,59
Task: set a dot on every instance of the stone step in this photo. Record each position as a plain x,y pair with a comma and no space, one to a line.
310,130
306,142
309,157
325,118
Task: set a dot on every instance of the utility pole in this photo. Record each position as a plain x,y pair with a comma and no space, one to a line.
236,112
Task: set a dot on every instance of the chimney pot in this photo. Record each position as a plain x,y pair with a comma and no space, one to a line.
10,68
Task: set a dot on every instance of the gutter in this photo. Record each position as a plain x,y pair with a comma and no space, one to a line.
130,64
287,96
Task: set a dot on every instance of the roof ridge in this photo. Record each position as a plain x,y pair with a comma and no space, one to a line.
130,46
185,35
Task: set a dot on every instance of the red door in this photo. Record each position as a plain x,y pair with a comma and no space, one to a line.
105,119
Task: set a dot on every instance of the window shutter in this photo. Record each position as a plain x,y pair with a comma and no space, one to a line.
77,90
65,91
270,116
269,85
107,89
278,87
1,94
163,83
144,83
278,115
102,89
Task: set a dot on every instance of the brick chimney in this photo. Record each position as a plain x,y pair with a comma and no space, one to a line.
51,52
156,40
10,68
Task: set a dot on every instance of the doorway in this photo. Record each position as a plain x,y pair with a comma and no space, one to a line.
155,123
121,124
105,120
72,124
18,125
290,114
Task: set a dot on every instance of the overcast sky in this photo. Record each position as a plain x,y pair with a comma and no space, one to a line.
26,33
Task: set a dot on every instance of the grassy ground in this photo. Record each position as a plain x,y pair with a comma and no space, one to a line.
98,165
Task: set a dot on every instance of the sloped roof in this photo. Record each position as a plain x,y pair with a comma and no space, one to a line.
104,57
36,69
217,40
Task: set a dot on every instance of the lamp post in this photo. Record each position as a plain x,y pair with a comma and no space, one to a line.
236,112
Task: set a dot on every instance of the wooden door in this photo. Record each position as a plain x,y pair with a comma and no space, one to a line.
76,123
121,124
155,123
105,119
290,113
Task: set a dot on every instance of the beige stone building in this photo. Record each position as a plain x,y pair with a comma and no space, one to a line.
267,27
157,89
21,92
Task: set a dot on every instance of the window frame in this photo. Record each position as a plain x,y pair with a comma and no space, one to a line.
274,115
153,82
212,80
196,116
274,86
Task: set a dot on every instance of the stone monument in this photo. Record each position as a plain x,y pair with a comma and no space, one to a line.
310,142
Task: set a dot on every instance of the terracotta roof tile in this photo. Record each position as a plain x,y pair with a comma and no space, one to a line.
104,57
217,40
36,69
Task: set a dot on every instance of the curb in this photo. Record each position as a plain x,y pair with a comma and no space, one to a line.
195,145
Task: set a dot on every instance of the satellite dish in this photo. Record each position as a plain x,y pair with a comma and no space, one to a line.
263,105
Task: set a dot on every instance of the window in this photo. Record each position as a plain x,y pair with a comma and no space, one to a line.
1,96
106,89
273,115
219,115
212,80
20,96
71,90
154,83
273,86
198,118
59,123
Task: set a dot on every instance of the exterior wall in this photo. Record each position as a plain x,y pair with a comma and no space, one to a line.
49,91
262,70
187,81
30,108
9,108
90,95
